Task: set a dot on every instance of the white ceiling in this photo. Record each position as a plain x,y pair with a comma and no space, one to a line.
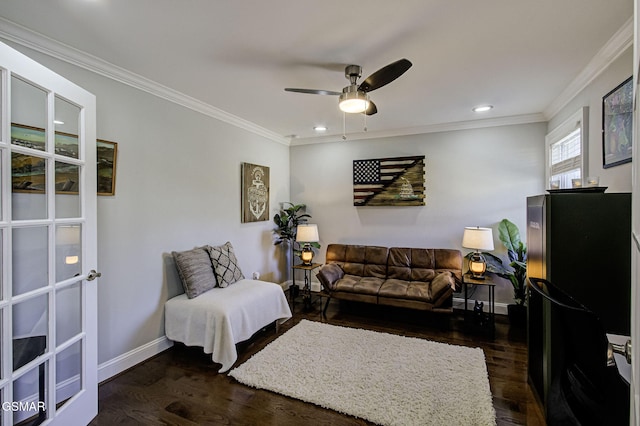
234,58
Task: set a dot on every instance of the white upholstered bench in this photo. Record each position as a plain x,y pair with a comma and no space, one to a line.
219,310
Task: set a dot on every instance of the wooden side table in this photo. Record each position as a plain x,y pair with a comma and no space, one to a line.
468,280
306,290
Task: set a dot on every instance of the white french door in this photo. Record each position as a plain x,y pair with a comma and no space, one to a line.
48,324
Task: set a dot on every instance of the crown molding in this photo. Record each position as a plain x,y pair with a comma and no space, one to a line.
18,34
616,46
432,128
23,36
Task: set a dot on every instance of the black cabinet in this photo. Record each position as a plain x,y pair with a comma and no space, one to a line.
580,242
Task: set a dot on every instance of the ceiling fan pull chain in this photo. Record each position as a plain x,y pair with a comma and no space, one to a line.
344,126
365,121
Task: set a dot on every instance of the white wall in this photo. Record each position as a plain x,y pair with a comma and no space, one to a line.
616,179
473,177
177,187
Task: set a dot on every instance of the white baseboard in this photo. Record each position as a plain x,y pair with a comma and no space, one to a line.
501,308
117,365
315,285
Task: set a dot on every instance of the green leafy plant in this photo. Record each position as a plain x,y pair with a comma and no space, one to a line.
516,271
287,221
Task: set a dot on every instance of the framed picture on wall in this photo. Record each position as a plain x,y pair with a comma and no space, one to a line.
255,193
107,154
617,118
28,172
397,181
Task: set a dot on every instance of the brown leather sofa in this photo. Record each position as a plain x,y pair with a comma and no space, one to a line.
415,278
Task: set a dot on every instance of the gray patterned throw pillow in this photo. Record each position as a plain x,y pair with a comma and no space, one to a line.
225,264
195,270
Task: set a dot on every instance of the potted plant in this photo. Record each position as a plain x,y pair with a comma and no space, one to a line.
515,272
287,221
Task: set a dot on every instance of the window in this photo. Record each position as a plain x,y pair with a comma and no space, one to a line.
566,150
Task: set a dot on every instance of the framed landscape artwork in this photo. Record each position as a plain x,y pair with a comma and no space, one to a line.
395,181
617,118
107,154
28,171
255,192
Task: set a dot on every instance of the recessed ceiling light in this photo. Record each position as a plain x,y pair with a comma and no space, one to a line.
58,122
482,108
320,128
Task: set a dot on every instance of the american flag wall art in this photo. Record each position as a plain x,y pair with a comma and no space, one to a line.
397,181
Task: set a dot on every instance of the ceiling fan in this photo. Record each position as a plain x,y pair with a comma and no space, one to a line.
354,98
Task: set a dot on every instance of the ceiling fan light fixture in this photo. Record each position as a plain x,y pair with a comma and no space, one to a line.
353,101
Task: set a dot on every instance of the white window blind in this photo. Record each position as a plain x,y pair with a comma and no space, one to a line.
566,159
566,155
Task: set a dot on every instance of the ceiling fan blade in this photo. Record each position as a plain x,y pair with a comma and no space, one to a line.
372,109
313,91
385,75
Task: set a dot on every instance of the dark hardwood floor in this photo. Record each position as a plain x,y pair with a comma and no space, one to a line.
181,386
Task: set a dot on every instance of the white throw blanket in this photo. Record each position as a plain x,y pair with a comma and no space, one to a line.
221,317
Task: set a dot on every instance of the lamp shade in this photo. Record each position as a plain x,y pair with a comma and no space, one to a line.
307,233
477,238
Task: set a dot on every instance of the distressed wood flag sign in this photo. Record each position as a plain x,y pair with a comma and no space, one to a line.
395,181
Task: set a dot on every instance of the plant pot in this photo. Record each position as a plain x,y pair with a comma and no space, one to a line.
517,314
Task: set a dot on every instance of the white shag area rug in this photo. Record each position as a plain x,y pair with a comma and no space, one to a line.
379,377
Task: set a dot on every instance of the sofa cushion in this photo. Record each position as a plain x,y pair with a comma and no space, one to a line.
440,284
399,264
449,259
356,284
225,264
411,264
195,270
354,260
402,289
336,253
375,259
329,274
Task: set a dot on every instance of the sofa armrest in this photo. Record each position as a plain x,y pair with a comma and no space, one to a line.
329,274
444,282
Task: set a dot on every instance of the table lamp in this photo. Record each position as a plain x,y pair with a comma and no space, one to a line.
477,238
307,234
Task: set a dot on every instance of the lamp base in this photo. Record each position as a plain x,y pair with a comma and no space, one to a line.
306,255
477,266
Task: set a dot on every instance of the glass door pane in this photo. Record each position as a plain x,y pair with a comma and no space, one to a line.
28,114
30,259
29,187
30,396
67,190
68,373
66,121
68,252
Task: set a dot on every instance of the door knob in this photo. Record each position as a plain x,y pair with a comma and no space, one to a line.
93,275
620,349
